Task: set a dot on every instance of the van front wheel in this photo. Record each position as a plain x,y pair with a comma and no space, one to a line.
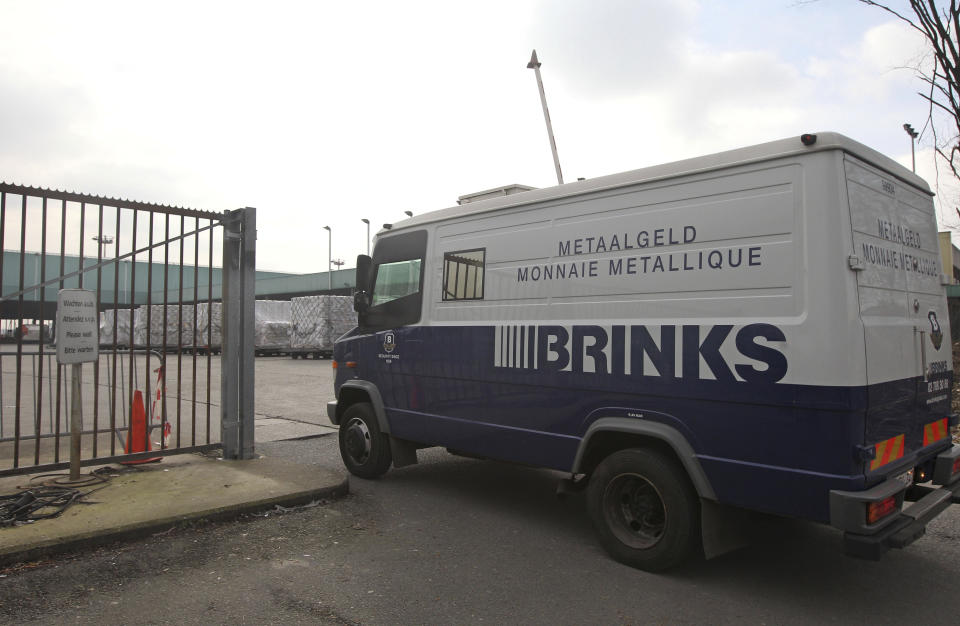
364,449
645,511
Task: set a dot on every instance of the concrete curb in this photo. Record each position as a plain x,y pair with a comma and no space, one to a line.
82,541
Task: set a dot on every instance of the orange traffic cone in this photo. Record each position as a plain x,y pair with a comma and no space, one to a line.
137,436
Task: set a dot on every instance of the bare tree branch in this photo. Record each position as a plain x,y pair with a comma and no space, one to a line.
940,27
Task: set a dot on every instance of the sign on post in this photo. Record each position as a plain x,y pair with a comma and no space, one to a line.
78,341
78,338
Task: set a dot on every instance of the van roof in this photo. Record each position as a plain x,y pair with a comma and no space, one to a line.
825,141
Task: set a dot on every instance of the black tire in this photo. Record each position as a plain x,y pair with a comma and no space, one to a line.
364,449
644,509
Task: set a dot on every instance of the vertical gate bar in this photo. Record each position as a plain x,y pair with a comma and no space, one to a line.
96,364
249,270
231,333
33,405
179,347
63,260
133,298
166,294
49,392
23,245
116,323
76,421
146,368
83,220
209,322
196,276
3,233
43,279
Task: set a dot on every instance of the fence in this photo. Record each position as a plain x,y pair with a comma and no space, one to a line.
139,271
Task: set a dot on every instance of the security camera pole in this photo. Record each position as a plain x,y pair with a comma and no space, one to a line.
534,64
913,142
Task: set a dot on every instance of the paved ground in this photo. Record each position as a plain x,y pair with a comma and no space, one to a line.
460,541
188,486
120,502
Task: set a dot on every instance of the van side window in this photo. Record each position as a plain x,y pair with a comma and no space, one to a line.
463,274
396,280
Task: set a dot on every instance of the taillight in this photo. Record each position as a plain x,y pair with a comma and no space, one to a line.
333,364
878,510
351,364
956,467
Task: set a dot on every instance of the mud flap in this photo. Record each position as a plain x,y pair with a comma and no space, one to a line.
404,452
723,528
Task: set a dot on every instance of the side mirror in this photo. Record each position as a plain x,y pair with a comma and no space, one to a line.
361,302
361,299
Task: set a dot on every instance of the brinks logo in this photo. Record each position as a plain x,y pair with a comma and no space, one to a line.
664,352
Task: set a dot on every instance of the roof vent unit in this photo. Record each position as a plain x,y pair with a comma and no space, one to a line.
498,192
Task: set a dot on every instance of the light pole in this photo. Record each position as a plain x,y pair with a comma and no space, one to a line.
913,136
104,241
367,222
329,257
534,65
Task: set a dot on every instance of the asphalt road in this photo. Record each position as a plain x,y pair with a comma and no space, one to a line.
461,541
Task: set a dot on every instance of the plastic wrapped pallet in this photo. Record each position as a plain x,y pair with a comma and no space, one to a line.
340,318
271,328
319,320
210,325
178,330
122,317
306,317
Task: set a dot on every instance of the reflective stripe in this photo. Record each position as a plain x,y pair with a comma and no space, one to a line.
935,431
887,452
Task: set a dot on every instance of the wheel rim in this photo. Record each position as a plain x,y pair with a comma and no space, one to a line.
357,441
633,509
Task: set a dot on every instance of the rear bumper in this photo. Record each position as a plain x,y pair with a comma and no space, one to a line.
848,511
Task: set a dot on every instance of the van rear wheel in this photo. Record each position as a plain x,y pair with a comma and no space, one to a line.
364,449
644,509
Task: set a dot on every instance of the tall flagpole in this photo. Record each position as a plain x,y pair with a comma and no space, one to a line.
534,64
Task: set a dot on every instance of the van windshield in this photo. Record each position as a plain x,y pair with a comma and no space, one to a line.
396,280
395,298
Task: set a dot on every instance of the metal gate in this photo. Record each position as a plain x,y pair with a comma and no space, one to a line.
175,293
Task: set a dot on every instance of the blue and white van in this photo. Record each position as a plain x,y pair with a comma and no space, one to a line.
762,329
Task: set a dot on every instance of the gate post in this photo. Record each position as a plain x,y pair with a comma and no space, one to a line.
237,364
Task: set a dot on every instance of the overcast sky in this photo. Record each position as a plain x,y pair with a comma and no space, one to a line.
323,113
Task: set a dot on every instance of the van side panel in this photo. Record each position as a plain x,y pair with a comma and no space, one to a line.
753,440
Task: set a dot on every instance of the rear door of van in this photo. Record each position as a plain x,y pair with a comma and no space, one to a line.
904,313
